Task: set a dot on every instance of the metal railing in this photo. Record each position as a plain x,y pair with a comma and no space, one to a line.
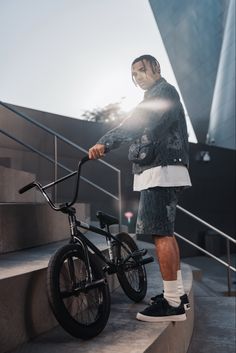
55,159
218,231
57,164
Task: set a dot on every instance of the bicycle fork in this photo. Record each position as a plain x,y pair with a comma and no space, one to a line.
90,282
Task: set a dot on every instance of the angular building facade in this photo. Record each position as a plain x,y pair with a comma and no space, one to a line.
199,38
222,118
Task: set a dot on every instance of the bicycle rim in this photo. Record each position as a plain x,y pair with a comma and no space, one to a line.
83,313
132,277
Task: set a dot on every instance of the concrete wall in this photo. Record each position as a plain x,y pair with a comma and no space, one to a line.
28,225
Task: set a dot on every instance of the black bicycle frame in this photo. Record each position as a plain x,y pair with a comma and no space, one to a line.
76,234
112,266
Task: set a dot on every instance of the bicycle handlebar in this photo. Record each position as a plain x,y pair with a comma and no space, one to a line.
27,187
43,188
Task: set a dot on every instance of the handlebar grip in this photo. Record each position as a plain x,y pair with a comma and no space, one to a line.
27,187
84,159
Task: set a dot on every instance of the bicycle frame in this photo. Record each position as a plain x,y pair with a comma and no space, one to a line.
77,236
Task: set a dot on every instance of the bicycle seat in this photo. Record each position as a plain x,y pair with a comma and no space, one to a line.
106,219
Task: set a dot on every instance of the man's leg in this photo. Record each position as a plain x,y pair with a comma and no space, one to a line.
168,307
180,280
156,215
168,269
177,251
168,256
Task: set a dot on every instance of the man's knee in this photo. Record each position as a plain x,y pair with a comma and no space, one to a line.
165,237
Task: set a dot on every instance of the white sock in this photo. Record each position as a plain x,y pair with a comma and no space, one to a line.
171,293
180,283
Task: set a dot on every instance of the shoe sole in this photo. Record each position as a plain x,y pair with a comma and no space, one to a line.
145,318
186,306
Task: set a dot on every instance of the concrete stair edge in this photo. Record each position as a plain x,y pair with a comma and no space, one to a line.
197,273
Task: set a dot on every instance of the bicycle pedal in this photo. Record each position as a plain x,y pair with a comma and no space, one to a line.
109,269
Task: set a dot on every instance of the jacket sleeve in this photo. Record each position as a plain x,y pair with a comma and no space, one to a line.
155,113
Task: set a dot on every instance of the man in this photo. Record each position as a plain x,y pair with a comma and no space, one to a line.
159,151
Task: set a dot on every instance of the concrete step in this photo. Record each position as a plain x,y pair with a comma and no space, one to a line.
5,162
26,225
197,273
214,329
24,306
11,180
123,332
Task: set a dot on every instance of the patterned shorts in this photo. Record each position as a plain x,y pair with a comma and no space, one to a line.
157,210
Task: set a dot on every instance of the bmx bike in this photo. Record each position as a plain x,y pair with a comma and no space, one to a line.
77,285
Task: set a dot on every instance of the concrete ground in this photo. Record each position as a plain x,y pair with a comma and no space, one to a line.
214,326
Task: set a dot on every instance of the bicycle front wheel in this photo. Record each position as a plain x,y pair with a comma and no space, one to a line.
81,310
131,275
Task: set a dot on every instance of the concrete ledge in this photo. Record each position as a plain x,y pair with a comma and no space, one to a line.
197,273
11,180
26,225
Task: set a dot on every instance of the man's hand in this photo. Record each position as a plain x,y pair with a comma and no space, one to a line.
97,151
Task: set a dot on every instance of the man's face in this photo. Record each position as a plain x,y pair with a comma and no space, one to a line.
143,74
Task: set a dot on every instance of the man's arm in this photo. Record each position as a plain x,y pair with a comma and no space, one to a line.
156,113
127,131
97,151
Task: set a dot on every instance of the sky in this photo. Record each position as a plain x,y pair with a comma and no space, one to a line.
68,56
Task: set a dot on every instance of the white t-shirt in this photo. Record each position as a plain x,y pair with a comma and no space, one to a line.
170,175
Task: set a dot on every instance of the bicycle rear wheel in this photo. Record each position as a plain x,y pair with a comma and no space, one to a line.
81,311
131,275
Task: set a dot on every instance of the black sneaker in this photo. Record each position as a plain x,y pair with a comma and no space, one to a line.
184,300
162,311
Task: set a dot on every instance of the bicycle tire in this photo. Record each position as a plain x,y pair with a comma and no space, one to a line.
132,280
84,313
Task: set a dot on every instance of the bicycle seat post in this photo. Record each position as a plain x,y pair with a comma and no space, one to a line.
70,211
109,244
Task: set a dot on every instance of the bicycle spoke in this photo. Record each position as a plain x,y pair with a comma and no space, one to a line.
70,264
132,273
82,310
83,307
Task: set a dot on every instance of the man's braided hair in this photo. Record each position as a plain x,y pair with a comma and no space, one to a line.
153,61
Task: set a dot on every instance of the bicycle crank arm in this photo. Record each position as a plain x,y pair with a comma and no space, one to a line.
83,289
133,265
135,254
95,284
146,261
138,253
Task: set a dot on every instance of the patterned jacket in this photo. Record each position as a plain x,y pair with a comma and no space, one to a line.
159,118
